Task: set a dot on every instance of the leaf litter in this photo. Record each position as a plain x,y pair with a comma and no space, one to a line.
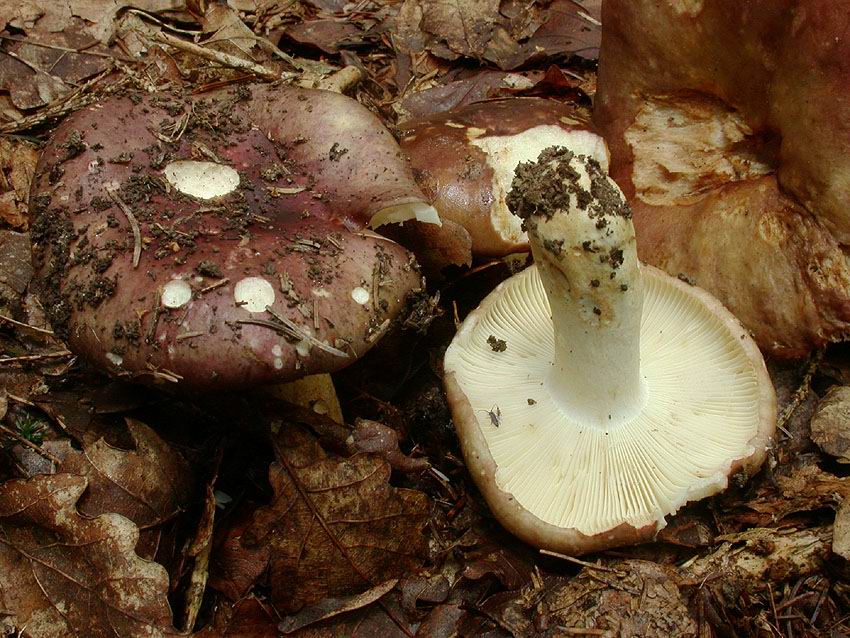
258,519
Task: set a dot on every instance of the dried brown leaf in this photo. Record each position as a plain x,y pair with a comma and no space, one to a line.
62,574
332,607
17,165
831,423
148,484
806,489
247,618
335,526
94,18
504,32
326,35
15,269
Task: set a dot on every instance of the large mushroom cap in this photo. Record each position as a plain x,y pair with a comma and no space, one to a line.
464,159
643,394
729,128
219,240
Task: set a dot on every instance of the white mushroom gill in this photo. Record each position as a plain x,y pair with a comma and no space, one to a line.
204,180
621,392
700,415
400,213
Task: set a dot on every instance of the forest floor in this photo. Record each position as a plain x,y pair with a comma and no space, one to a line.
214,488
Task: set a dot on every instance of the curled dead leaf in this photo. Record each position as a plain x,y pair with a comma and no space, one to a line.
148,484
335,526
63,574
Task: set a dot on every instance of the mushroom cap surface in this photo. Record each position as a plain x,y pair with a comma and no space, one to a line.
219,240
574,488
464,159
729,129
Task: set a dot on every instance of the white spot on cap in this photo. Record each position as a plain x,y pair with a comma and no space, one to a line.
360,295
115,359
175,293
204,180
254,294
302,348
277,350
278,363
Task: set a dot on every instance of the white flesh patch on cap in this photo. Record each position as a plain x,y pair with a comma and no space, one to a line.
398,213
360,295
700,142
504,152
701,414
204,180
115,359
254,294
175,293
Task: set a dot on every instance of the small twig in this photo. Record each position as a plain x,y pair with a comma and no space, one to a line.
773,608
214,285
21,400
225,59
134,225
24,441
578,561
20,324
56,47
189,335
164,25
67,103
61,354
298,332
340,81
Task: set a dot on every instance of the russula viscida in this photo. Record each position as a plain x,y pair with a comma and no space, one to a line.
729,131
219,240
464,160
616,393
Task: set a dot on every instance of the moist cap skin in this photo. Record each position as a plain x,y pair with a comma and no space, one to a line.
621,393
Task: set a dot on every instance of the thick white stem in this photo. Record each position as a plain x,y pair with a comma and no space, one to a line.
584,245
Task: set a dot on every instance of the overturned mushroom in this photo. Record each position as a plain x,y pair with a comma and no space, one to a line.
465,159
219,240
730,134
619,393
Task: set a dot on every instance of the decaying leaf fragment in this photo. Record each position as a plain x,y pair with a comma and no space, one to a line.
62,574
507,34
334,527
17,165
148,484
831,423
631,598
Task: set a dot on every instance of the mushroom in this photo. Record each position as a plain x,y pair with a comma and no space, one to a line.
219,240
464,160
593,396
729,131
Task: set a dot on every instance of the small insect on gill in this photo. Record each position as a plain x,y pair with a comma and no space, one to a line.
495,415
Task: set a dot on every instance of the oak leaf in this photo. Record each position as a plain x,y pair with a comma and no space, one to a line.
149,484
62,574
335,526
